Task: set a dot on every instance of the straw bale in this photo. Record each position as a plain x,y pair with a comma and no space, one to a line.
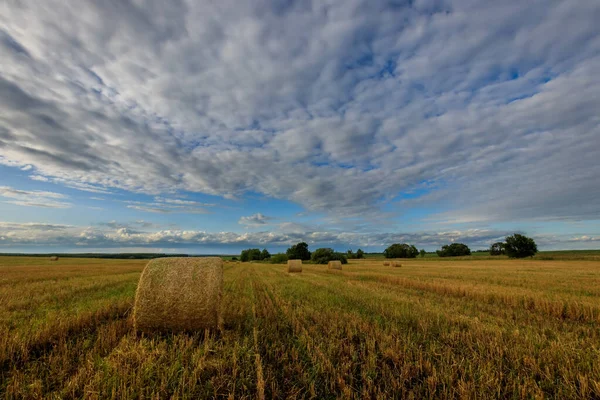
386,263
54,258
179,294
336,264
294,265
395,264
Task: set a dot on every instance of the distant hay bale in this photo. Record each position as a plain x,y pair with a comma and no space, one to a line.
386,263
294,265
54,258
179,294
334,264
395,264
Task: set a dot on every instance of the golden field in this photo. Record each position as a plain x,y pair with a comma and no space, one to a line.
434,328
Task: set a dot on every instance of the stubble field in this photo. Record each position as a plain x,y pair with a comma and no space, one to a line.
430,329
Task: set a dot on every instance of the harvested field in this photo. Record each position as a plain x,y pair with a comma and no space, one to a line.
431,329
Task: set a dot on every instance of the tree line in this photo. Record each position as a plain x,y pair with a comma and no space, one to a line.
300,251
514,246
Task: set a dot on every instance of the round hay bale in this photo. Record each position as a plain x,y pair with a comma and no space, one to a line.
395,264
179,294
386,263
336,264
294,265
54,258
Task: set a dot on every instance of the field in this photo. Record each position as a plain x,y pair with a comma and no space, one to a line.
475,328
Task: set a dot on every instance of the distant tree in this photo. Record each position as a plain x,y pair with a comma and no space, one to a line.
497,249
454,250
403,250
324,255
360,254
350,254
520,246
298,252
233,258
250,255
422,253
279,258
265,255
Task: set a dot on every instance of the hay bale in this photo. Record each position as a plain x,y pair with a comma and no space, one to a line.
179,294
334,264
395,264
386,263
54,258
294,265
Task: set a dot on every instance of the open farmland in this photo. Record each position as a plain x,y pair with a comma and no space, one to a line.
461,328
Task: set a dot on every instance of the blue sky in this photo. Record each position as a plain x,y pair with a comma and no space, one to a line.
206,127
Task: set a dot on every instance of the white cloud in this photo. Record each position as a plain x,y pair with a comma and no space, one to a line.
33,198
142,234
169,206
337,106
255,219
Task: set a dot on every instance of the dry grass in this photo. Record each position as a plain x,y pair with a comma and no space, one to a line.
449,329
179,294
334,265
294,265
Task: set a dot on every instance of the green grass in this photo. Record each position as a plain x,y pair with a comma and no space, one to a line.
434,328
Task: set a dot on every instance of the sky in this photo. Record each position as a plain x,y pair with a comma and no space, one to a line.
208,127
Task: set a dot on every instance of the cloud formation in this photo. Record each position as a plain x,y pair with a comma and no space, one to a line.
255,219
338,106
139,234
33,198
169,206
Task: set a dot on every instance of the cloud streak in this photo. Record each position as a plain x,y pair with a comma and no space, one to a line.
254,220
33,198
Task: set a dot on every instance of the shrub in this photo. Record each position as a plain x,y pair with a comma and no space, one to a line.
298,252
454,250
400,251
422,253
324,255
520,246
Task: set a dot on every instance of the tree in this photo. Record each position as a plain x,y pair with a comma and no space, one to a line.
298,252
422,253
324,255
497,249
401,251
520,246
250,255
278,258
360,253
350,254
454,250
265,255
